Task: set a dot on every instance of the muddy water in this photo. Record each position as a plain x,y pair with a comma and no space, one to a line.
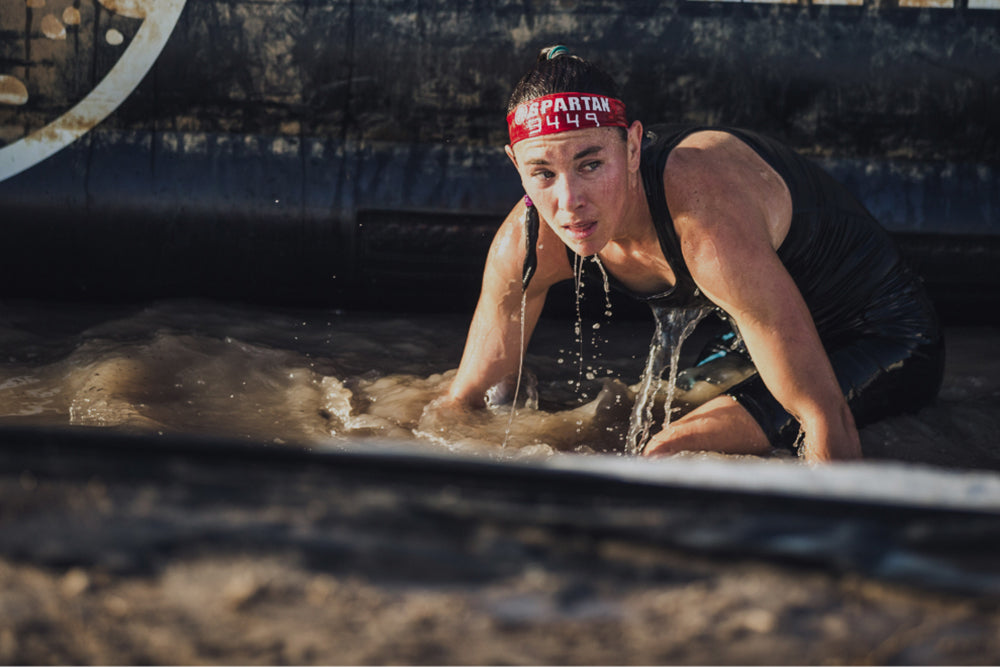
325,378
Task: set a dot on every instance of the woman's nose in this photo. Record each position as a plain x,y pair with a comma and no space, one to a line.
570,193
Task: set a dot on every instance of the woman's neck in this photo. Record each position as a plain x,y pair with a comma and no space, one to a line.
635,257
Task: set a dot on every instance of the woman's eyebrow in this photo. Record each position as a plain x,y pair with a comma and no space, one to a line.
590,150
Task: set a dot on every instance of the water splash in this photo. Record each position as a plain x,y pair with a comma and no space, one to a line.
673,326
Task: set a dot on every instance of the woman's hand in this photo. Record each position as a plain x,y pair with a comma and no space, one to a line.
838,441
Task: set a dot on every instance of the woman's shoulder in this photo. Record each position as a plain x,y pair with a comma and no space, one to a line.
662,141
713,179
669,135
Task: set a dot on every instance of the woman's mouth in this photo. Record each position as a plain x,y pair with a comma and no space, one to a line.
580,230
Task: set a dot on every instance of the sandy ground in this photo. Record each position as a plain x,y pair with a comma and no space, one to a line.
241,609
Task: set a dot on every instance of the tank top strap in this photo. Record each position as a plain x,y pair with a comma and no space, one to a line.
659,141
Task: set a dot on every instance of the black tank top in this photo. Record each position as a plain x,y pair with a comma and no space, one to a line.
845,265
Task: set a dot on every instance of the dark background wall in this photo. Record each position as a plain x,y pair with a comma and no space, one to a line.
335,152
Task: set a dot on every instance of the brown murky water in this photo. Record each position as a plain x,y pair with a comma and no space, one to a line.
319,378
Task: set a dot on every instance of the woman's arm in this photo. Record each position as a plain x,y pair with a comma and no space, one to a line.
493,347
731,212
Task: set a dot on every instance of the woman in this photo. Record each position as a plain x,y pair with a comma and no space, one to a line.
839,330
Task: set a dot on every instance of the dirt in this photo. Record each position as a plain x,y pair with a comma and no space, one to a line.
273,610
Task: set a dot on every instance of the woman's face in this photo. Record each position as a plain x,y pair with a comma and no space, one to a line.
581,182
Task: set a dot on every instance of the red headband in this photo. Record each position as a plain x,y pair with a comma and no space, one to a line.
562,112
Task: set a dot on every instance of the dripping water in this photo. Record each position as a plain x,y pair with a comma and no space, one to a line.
596,339
584,371
578,328
607,286
520,370
527,271
673,326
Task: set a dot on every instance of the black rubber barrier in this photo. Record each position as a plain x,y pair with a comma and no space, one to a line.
422,515
348,154
400,226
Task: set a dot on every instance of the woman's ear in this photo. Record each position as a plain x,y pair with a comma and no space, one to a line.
634,142
513,158
510,154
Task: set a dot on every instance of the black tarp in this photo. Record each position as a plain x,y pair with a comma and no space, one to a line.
343,153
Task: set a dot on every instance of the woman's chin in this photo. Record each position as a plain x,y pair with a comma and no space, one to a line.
585,249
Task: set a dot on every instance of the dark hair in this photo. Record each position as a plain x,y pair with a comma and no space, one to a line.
563,73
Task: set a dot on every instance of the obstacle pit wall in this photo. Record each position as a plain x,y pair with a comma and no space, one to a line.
342,153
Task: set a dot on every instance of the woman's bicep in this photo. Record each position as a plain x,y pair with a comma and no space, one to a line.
725,223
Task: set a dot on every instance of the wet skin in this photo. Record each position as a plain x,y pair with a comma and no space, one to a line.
731,211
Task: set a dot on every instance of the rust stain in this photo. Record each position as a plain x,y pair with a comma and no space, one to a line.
52,27
133,9
12,91
35,4
51,134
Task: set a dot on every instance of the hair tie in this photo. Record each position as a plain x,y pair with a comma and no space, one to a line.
556,51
